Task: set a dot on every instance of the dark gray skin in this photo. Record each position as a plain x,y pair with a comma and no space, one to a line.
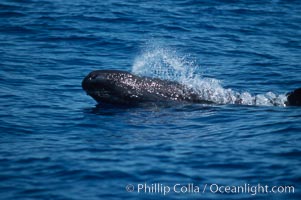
123,88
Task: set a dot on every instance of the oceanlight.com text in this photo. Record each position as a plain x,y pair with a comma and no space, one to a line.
192,188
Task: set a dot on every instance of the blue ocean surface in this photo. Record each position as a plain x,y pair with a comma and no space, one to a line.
57,143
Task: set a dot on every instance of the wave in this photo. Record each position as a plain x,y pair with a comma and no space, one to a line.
165,63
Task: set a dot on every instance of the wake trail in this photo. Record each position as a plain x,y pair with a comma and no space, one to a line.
164,63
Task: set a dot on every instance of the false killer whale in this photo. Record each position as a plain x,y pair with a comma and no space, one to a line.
123,88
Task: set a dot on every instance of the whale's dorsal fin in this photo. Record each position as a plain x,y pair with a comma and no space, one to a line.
294,98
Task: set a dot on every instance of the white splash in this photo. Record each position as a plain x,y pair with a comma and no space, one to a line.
165,63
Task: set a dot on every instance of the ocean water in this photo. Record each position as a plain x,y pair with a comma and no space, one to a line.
57,143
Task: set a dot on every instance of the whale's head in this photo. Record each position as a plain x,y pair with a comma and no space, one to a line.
110,86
